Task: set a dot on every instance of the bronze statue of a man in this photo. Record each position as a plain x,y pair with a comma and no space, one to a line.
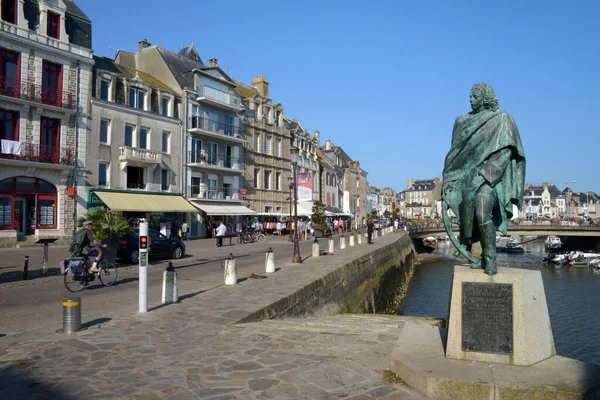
484,175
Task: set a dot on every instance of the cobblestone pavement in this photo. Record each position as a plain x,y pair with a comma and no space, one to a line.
195,350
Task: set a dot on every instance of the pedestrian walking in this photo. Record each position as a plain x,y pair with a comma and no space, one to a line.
221,231
369,231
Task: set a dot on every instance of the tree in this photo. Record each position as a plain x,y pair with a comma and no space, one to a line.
108,224
318,216
373,214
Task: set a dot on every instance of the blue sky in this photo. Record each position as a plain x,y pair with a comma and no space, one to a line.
386,79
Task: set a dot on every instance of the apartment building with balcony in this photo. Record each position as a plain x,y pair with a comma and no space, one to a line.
134,149
267,152
354,183
213,136
45,69
332,177
421,198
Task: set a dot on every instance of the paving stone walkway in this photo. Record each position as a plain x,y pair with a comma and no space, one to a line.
195,349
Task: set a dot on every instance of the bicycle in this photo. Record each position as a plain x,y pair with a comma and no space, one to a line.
77,276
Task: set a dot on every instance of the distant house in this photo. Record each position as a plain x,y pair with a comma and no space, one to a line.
543,200
420,199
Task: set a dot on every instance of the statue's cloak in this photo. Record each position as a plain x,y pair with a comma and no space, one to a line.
486,143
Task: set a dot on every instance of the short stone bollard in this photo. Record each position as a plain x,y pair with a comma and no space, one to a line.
359,236
316,250
342,242
170,293
351,241
270,261
72,314
331,249
230,270
374,233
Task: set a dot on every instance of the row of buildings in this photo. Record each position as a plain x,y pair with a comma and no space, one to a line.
422,199
152,134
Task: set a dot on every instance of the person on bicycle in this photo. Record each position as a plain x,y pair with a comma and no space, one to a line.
84,244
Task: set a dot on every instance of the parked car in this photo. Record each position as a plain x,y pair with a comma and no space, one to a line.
160,246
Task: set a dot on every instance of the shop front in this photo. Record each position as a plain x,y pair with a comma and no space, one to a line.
235,217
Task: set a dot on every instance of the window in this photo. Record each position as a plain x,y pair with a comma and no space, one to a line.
256,106
135,178
103,174
227,190
213,121
137,98
269,209
143,143
53,26
267,179
49,140
212,153
267,112
195,189
52,84
267,145
278,147
227,156
277,116
104,89
228,125
129,132
256,142
278,210
212,188
166,141
278,181
9,11
164,179
9,73
165,106
256,175
9,125
196,152
104,131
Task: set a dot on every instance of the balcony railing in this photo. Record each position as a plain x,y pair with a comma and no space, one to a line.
43,154
203,157
206,192
219,96
213,126
38,93
129,153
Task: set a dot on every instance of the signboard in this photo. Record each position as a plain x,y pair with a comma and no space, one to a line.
305,186
93,200
242,192
487,317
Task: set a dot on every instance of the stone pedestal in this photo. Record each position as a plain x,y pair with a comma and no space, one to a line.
499,319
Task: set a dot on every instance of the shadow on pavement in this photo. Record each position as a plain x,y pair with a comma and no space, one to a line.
15,276
16,384
184,297
98,285
93,322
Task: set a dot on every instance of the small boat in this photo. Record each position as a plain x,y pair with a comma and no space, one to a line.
552,242
429,241
581,258
595,263
508,244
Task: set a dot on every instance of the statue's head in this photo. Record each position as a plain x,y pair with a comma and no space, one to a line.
483,98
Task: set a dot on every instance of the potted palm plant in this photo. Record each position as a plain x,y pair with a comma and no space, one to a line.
109,227
318,218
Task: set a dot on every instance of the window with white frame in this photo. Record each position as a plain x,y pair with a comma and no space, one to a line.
279,210
166,106
278,181
103,174
269,209
256,142
129,134
166,142
277,147
267,145
256,175
105,89
104,131
137,98
267,179
164,179
144,138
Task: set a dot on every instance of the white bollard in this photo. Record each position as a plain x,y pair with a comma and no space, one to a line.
316,251
230,272
342,243
374,233
331,249
170,293
144,248
270,262
360,238
351,241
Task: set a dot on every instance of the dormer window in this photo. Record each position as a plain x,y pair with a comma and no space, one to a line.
53,25
104,89
166,103
9,11
267,112
137,98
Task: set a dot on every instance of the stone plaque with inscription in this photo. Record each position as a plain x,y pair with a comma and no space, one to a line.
487,317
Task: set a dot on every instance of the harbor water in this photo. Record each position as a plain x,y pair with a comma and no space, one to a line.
572,293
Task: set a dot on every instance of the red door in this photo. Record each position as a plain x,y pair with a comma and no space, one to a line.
49,141
52,84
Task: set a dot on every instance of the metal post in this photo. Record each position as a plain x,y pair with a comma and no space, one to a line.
25,267
143,271
72,314
45,260
297,259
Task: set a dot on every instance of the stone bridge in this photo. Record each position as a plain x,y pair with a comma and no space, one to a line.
523,229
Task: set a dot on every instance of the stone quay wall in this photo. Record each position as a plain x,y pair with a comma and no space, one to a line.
373,283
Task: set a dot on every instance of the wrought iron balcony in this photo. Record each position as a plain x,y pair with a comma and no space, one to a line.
129,153
216,160
42,154
22,89
199,124
205,192
219,98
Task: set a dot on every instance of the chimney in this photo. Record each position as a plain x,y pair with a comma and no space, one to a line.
212,62
142,44
261,84
411,182
317,135
545,185
328,144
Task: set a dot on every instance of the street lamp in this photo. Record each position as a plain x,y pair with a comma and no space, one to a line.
296,259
